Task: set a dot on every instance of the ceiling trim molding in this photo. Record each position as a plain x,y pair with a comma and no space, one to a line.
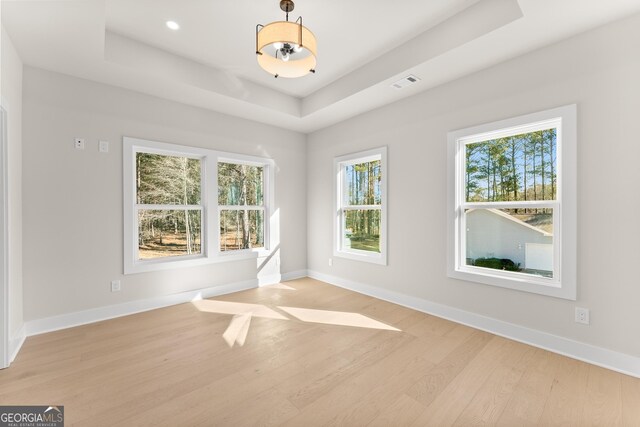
470,24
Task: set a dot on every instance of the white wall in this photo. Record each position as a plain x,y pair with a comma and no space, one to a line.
73,215
599,72
11,90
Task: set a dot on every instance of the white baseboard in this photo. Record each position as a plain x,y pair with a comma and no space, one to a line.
599,356
297,274
50,324
276,278
15,343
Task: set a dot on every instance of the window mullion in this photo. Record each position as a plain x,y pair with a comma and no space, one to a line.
240,207
361,207
169,207
541,204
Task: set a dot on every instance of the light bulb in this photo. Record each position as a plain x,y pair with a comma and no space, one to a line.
296,48
285,56
277,45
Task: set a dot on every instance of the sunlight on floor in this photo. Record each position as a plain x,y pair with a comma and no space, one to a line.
336,318
238,329
226,307
280,286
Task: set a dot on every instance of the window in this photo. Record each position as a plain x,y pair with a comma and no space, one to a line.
240,205
360,223
169,205
168,218
512,190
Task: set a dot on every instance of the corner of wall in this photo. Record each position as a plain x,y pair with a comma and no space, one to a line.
11,90
306,204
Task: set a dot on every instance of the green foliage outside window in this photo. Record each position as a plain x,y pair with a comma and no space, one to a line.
362,225
516,168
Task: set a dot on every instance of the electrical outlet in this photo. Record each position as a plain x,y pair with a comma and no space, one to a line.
115,286
78,143
103,146
582,315
330,262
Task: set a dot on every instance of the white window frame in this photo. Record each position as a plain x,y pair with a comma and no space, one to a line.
266,177
340,207
563,282
210,238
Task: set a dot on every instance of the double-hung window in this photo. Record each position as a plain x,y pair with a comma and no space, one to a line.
512,189
360,206
169,206
241,205
170,213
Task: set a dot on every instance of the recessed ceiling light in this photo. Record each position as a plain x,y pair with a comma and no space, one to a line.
173,25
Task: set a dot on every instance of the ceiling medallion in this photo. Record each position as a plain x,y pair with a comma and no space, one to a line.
286,49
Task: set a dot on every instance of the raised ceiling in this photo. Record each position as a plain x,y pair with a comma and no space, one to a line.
364,46
221,34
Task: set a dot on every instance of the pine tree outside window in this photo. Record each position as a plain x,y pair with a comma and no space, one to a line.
360,223
512,188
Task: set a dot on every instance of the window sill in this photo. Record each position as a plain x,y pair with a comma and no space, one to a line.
520,282
244,253
183,262
373,258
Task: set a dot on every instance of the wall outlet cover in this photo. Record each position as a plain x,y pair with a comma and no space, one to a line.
103,146
115,286
582,315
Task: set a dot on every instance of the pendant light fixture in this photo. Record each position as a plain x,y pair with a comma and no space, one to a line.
286,49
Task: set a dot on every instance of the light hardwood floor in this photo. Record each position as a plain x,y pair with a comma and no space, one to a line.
174,366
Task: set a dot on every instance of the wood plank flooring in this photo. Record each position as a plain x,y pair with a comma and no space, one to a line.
176,367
